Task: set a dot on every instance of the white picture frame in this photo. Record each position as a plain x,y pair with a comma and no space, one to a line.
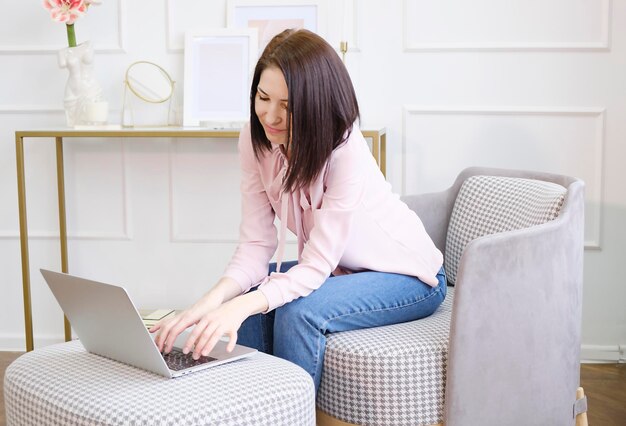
219,64
270,17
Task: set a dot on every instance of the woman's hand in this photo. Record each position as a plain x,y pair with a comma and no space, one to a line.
170,328
224,320
213,319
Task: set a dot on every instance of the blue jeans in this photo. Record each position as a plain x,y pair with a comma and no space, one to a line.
297,331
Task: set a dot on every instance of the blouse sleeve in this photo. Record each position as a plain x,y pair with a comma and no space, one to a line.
257,233
328,239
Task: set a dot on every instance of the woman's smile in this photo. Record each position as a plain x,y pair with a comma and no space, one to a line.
272,130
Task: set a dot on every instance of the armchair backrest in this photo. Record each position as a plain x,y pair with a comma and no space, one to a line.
515,327
490,204
514,345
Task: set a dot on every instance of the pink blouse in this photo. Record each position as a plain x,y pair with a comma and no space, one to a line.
347,220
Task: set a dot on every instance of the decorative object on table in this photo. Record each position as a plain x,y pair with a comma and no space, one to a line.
148,96
83,100
273,16
218,70
343,48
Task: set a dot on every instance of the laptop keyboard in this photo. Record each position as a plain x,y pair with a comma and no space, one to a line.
177,360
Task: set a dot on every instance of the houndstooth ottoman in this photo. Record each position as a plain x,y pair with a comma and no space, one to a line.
392,375
65,385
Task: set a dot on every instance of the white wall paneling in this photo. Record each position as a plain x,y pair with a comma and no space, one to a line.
506,25
12,117
84,192
183,15
343,21
558,140
103,25
96,191
204,191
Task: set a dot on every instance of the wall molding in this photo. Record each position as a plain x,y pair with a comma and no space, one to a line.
356,48
173,47
604,44
204,238
125,234
599,141
175,235
119,47
30,109
602,354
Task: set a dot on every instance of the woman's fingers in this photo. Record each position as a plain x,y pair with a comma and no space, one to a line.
194,335
170,330
210,344
205,337
164,330
178,327
159,324
232,336
210,339
210,327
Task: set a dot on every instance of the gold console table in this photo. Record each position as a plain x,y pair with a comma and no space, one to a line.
378,150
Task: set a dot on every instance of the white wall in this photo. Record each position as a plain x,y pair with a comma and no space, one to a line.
522,84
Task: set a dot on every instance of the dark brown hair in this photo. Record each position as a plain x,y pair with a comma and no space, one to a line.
322,103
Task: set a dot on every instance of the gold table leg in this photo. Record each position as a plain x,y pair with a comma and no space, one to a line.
383,154
21,195
376,147
62,223
379,145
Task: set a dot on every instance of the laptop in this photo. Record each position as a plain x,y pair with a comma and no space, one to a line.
108,324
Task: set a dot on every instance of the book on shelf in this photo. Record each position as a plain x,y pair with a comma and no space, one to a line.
152,316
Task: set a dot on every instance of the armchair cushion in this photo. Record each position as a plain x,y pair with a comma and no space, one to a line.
491,204
392,375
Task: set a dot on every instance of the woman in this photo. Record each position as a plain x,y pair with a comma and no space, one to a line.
364,258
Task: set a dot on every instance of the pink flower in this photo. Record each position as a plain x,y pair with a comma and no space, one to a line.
66,11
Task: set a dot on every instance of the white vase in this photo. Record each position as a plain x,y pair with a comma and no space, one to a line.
83,101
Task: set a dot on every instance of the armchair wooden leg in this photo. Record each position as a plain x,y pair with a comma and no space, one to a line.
581,419
323,419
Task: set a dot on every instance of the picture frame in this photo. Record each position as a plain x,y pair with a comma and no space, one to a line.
219,64
270,17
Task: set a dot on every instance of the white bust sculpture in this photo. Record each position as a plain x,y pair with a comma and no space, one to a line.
83,94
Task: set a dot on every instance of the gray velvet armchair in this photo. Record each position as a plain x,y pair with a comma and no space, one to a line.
505,345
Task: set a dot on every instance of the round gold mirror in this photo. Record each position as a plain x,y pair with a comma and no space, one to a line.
148,96
149,82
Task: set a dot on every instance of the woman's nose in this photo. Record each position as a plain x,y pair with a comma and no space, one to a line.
273,115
